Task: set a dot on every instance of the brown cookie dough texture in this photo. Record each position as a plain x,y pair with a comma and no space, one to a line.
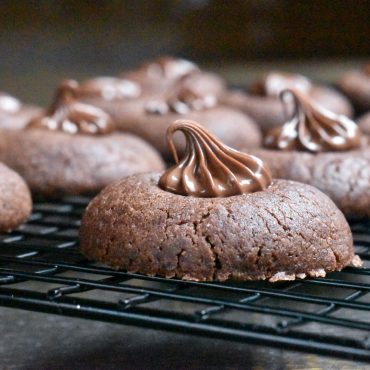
57,163
356,85
15,199
268,111
289,230
344,177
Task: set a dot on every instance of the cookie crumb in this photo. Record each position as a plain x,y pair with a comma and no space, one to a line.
317,273
281,276
356,261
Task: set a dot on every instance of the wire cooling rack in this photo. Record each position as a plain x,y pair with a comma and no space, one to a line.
41,269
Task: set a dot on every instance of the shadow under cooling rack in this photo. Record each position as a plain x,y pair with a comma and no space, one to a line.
41,269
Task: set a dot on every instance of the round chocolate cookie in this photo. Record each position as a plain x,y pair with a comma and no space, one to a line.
322,149
160,75
74,149
263,105
15,115
356,85
150,118
215,215
56,163
234,128
288,230
15,199
148,115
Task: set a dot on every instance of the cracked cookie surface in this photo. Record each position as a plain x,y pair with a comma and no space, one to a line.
289,230
344,177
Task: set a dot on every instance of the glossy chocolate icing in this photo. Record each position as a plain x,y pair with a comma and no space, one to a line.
273,83
182,101
312,128
210,168
109,88
9,104
67,114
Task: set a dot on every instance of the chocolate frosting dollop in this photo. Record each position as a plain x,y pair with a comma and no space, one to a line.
109,88
273,83
9,104
312,127
182,101
69,115
209,168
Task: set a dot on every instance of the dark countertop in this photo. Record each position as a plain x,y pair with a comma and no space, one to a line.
33,340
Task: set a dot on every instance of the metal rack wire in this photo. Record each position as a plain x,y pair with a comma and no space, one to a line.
41,269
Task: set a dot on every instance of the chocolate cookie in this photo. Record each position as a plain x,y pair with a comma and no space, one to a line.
235,129
15,199
160,75
147,115
263,105
74,149
15,115
322,149
356,85
215,215
151,120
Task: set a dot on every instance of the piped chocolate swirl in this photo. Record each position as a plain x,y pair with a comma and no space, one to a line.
67,114
209,168
312,127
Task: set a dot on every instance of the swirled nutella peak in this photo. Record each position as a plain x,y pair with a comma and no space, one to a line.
9,104
182,101
209,168
67,114
312,128
273,83
109,88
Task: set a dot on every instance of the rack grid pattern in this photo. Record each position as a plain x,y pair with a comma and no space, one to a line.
41,269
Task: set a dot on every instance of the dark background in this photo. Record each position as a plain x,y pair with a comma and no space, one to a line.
44,41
